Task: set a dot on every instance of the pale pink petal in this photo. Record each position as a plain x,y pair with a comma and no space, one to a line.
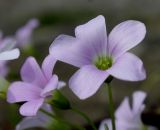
125,36
48,65
24,34
86,81
41,120
31,122
21,91
10,54
61,84
31,108
70,50
138,99
93,33
124,112
32,73
51,85
8,43
128,67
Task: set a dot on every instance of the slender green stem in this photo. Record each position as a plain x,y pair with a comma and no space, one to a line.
85,117
111,106
61,120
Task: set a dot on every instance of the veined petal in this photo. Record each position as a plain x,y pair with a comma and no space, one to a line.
51,85
21,91
70,50
86,81
125,36
128,67
94,35
138,99
32,73
31,108
48,65
10,54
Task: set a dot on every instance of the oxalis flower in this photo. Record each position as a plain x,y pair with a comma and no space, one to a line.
127,117
99,56
37,84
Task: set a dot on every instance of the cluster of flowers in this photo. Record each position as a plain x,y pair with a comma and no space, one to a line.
97,56
21,39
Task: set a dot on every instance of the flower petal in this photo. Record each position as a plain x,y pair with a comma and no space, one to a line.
138,99
40,120
61,84
10,54
48,65
51,85
31,108
30,122
125,36
70,50
124,113
94,34
8,43
24,34
32,73
128,67
86,81
21,91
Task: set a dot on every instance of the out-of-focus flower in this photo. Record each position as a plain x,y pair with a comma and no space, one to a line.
37,84
127,117
3,68
6,48
24,34
99,56
41,120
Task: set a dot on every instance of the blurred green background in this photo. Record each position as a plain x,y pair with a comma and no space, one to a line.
61,17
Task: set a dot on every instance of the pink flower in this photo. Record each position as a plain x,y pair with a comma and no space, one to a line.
127,117
37,84
24,34
98,55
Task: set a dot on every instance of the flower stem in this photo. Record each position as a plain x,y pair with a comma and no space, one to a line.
85,117
61,120
111,106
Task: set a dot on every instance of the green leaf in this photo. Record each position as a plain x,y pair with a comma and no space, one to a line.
56,125
4,84
59,101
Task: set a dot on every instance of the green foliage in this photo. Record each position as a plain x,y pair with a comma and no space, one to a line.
60,101
57,125
4,84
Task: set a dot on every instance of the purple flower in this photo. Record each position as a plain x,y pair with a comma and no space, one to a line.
24,34
99,56
6,48
128,118
40,120
3,68
37,84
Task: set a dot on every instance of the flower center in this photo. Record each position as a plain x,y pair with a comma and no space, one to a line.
103,62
